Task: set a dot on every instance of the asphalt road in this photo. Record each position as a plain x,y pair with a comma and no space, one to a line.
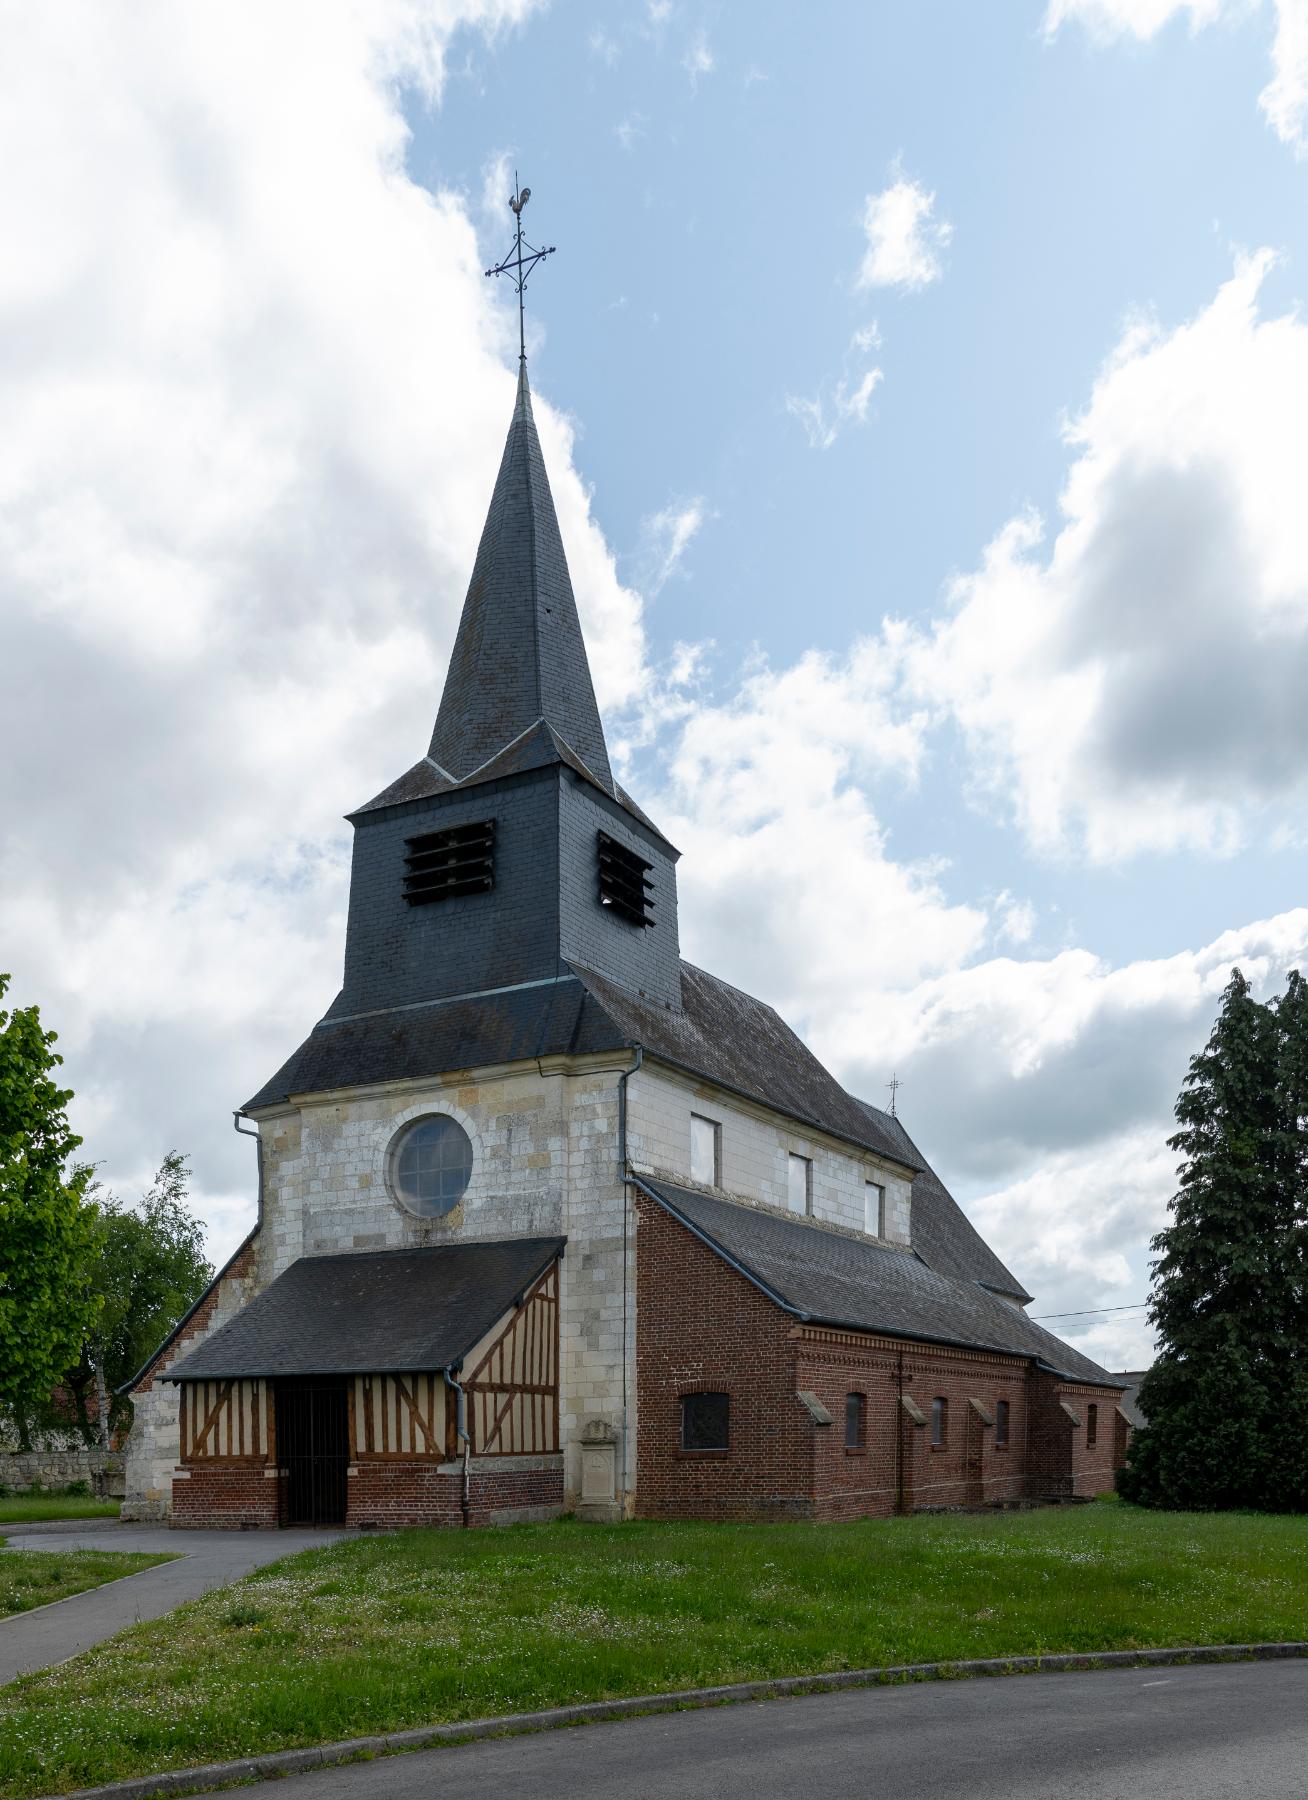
207,1559
1217,1733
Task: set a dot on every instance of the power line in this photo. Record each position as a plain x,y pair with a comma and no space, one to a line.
1089,1311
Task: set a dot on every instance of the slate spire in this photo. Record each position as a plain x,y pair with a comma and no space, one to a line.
519,656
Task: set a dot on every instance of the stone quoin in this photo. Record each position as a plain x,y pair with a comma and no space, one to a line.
550,1219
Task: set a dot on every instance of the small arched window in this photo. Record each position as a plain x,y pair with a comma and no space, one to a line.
939,1422
1091,1424
855,1421
1001,1424
705,1421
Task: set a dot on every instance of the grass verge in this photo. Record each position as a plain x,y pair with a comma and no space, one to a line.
31,1578
381,1633
17,1509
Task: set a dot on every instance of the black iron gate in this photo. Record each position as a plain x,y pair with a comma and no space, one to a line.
313,1446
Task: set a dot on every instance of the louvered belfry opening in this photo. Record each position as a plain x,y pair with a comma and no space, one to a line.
441,864
624,882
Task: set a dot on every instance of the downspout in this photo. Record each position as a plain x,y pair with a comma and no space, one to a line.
257,1135
461,1427
624,1175
899,1436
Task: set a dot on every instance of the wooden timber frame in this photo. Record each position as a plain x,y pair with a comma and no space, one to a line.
513,1388
226,1421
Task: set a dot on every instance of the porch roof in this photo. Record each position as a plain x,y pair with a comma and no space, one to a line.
375,1312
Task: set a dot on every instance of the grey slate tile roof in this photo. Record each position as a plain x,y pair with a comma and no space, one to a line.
553,1019
519,655
830,1279
384,1311
943,1235
1130,1404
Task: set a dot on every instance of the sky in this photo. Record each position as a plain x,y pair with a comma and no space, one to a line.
924,389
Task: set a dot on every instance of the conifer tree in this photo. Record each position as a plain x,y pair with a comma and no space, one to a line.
1223,1396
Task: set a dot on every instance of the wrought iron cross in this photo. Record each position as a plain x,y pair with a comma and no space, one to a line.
520,261
894,1084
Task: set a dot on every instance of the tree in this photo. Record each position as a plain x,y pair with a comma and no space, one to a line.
47,1305
148,1269
1227,1396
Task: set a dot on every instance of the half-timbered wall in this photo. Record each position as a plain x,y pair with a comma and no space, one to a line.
512,1383
225,1421
400,1415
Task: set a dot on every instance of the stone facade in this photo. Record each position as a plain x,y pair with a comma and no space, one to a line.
101,1470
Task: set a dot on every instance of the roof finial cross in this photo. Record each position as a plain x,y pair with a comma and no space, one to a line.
894,1084
518,265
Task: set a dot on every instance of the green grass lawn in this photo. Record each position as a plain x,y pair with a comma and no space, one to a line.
31,1578
18,1508
381,1633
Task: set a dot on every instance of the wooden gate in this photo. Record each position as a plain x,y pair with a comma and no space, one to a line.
313,1446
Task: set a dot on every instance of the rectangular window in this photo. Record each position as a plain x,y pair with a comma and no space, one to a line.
800,1183
874,1209
855,1421
705,1151
1091,1424
1001,1424
705,1421
939,1422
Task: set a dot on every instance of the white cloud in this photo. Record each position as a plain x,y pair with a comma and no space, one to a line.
1138,685
255,392
847,400
904,240
665,537
699,59
1284,101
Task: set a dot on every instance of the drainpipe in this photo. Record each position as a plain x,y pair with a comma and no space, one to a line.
257,1135
899,1437
624,1176
461,1427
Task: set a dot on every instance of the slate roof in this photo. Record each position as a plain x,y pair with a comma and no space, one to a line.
1130,1404
519,655
411,1042
943,1235
830,1279
384,1311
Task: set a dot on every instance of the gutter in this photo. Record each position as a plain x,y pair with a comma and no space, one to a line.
626,1178
461,1427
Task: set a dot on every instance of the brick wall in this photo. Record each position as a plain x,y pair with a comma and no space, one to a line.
501,1491
702,1327
226,1497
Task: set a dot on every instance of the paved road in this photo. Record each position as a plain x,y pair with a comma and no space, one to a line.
209,1559
1230,1732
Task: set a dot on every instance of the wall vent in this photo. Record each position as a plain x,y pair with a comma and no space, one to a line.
441,864
624,883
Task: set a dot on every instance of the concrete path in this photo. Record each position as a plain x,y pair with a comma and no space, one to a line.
1235,1731
207,1559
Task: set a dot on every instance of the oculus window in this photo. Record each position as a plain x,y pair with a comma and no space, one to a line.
705,1151
431,1165
874,1209
705,1421
799,1183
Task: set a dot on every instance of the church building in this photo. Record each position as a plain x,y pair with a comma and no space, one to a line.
549,1219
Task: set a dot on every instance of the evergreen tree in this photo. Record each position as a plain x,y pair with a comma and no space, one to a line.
1227,1387
47,1305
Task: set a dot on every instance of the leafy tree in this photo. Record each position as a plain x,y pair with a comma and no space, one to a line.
148,1268
1226,1397
47,1304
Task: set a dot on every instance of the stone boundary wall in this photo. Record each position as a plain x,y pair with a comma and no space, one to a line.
104,1471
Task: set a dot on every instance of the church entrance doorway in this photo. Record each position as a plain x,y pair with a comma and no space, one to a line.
313,1446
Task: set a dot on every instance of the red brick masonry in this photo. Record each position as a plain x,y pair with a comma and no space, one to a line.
220,1495
702,1326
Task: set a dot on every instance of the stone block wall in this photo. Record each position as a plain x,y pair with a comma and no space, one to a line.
755,1145
103,1471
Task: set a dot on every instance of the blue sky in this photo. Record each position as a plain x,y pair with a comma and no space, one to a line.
925,396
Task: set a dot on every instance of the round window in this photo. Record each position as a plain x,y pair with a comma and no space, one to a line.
431,1165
